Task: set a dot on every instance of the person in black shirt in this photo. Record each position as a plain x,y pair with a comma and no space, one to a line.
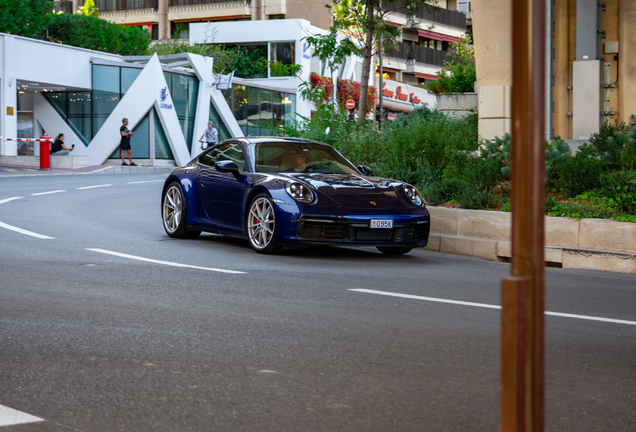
124,144
58,148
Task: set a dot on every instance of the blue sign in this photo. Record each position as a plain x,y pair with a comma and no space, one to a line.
164,95
305,47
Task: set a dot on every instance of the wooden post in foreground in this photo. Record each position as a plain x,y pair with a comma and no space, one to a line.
523,293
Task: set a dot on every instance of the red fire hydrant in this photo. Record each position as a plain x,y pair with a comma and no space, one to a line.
45,152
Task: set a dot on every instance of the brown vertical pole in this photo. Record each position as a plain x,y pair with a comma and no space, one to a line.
523,332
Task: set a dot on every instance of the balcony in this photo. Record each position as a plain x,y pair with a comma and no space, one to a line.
429,56
442,16
201,2
435,14
125,5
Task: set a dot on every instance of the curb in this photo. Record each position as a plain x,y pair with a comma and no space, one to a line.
93,169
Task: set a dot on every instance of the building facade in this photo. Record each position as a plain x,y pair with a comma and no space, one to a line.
166,19
590,69
422,50
168,102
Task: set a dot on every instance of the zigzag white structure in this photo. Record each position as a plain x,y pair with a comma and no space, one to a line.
74,74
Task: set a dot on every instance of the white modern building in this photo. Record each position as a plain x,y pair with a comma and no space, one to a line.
85,95
168,100
283,41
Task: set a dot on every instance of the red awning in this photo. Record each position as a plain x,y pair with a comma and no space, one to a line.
426,76
436,36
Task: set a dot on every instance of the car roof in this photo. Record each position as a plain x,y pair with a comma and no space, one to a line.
261,139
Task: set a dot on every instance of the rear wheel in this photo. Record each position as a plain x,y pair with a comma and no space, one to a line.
173,213
261,225
394,250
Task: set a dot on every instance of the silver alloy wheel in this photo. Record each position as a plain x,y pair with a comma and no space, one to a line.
172,209
261,223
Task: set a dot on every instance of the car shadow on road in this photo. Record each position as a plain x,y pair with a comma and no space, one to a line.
339,253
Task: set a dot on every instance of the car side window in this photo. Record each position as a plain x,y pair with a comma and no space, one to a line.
232,152
209,157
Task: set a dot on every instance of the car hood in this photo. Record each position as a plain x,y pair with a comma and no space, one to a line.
355,191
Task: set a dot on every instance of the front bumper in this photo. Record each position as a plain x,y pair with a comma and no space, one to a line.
408,230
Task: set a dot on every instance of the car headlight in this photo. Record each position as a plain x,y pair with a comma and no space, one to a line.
299,192
413,195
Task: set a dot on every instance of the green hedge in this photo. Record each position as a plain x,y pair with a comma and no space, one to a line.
97,34
33,18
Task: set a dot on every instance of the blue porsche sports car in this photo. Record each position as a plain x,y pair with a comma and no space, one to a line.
285,192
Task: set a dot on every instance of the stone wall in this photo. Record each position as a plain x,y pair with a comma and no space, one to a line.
596,244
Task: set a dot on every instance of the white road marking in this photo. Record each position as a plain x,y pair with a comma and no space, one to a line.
146,181
23,231
489,306
49,192
6,200
10,417
93,187
163,262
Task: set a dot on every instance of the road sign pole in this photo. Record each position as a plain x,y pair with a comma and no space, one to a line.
523,294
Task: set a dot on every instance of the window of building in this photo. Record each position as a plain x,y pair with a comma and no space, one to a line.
184,91
179,30
260,112
162,146
282,52
219,124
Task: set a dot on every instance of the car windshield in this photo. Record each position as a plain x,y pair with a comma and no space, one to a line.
300,157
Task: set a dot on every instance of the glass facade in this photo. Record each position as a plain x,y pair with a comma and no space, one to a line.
184,91
259,111
162,146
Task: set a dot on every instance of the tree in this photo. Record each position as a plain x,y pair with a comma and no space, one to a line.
364,20
330,50
459,73
88,9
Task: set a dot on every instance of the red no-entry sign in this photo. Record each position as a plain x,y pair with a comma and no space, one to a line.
350,104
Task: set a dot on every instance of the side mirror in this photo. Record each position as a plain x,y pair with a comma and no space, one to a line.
227,166
365,170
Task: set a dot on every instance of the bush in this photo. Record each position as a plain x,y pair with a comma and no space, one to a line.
588,205
578,174
620,186
25,17
97,34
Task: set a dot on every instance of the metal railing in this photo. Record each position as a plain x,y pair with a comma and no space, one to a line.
432,13
125,5
406,51
442,16
202,2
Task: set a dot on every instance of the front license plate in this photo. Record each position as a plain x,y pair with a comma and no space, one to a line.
381,223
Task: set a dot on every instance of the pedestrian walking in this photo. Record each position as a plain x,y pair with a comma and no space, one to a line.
58,148
124,145
211,136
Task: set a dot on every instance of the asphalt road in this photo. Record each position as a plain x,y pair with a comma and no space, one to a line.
94,338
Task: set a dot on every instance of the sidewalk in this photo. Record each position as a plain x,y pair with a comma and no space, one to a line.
10,170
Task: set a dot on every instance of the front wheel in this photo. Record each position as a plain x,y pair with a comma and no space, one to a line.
173,213
261,225
394,250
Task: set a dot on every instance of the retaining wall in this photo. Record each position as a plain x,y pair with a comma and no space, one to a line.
595,244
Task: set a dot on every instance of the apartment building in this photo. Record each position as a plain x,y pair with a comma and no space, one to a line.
422,51
166,19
